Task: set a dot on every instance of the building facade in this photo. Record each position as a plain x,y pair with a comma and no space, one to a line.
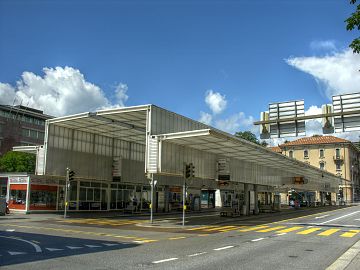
335,155
116,154
21,125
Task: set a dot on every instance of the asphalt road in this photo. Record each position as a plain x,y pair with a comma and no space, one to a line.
307,239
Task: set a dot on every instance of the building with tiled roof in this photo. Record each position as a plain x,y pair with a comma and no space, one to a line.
329,153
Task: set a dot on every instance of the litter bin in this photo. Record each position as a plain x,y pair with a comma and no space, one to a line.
2,206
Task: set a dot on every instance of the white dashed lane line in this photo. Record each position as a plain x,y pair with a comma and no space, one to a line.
222,248
259,239
279,234
196,254
165,260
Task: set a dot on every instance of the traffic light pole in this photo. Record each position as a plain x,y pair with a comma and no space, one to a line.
184,198
152,198
66,191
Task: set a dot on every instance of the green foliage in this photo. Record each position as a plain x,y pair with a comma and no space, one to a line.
247,135
17,162
353,22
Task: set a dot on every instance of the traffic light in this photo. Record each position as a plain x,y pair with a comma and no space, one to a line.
71,175
187,171
192,170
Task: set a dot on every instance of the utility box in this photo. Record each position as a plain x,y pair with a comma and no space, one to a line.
2,206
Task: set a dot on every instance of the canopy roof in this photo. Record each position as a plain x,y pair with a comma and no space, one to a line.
226,145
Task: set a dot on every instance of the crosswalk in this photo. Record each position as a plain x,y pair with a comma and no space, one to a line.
102,221
279,229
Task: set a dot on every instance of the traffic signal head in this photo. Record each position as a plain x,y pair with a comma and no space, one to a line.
192,170
187,171
71,175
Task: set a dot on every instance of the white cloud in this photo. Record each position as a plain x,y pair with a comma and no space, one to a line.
120,92
323,45
339,72
60,91
205,118
216,102
237,122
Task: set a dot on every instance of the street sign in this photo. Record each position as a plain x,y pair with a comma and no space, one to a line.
346,104
283,111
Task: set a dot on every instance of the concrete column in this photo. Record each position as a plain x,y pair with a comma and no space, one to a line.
266,198
246,207
166,199
256,203
321,198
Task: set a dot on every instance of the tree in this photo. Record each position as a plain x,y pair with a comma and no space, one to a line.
247,135
354,22
17,162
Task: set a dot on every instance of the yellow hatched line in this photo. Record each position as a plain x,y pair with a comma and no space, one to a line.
253,228
177,238
290,229
232,229
308,231
329,232
350,233
272,229
200,228
219,228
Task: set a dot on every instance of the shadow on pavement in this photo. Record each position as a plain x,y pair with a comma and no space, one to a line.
19,247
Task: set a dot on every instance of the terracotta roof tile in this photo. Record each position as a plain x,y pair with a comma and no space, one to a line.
276,149
316,140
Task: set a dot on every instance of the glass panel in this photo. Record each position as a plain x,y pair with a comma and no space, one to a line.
97,194
85,184
73,191
90,194
82,195
113,199
95,184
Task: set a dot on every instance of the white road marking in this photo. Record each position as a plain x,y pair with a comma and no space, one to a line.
196,254
259,239
353,213
358,219
322,216
92,246
110,245
54,249
279,234
139,242
16,253
166,260
10,230
37,248
222,248
71,247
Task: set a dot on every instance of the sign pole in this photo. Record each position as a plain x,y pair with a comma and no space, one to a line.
184,198
152,198
66,191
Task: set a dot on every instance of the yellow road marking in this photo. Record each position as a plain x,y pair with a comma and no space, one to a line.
253,228
290,229
350,233
219,228
205,234
308,231
329,232
200,228
272,229
232,229
176,238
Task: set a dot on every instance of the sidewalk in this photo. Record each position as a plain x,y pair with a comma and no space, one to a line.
350,260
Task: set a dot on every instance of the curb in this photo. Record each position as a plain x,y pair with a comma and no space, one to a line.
344,260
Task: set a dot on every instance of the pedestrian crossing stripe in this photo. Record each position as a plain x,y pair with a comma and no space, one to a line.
272,229
253,228
308,231
350,233
200,228
219,228
290,229
328,232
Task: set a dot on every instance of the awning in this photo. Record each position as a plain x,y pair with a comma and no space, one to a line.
225,145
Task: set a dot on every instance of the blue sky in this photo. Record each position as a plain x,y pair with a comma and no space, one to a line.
174,54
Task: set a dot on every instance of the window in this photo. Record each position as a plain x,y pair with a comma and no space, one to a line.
337,153
338,166
306,153
291,153
321,153
322,166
